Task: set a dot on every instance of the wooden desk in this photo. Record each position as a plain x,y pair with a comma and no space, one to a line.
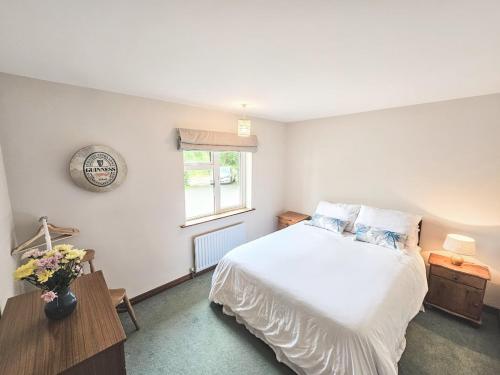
89,341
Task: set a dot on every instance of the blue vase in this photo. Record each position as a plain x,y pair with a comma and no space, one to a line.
62,306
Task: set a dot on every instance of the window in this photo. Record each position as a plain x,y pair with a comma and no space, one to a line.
215,182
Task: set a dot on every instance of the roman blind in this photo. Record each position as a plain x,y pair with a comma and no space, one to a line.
192,139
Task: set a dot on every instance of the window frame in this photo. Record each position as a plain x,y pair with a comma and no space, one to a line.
214,165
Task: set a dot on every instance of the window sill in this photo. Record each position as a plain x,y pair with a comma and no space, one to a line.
206,219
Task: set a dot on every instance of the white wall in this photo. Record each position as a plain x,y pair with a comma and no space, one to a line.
135,228
441,160
7,262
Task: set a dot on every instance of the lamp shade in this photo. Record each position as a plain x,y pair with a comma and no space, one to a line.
460,244
244,126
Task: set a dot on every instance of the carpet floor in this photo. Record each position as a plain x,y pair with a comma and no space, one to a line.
183,333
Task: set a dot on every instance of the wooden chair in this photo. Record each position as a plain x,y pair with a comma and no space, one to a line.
118,296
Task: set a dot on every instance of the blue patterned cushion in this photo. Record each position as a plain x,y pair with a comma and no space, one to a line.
361,232
380,237
329,223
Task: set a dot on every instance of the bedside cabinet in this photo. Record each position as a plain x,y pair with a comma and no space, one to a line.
458,290
289,218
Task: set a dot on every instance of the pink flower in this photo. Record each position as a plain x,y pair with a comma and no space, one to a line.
31,254
49,296
50,263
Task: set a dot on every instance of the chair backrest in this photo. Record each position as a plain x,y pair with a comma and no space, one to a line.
89,258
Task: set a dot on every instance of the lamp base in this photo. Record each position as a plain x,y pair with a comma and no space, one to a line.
457,260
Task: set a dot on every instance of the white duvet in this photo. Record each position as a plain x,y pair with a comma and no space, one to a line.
325,303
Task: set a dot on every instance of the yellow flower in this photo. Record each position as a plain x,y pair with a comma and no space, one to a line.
75,254
64,248
25,270
44,276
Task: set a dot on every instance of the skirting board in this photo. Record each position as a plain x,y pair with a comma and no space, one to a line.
159,289
171,284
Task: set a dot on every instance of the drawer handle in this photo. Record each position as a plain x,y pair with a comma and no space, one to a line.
475,304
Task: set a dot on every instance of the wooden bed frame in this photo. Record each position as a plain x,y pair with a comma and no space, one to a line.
419,232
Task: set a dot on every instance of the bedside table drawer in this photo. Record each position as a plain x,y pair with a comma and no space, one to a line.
282,224
289,218
458,277
285,222
458,298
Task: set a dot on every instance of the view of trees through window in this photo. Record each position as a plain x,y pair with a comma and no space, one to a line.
212,182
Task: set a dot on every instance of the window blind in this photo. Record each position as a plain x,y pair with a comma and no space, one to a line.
193,139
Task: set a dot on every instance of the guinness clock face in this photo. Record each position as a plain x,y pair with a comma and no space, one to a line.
98,168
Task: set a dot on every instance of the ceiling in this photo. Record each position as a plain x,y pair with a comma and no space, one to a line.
289,59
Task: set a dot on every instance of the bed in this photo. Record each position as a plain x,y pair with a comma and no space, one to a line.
325,304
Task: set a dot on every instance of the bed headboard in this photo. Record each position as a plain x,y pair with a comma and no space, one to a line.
419,232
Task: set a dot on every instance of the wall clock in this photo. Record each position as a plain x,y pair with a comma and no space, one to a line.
98,168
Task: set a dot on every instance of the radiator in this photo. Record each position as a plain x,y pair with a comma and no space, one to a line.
211,247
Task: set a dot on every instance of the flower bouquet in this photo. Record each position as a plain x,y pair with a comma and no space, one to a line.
53,271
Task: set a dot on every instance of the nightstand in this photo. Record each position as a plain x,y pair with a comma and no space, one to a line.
289,218
458,290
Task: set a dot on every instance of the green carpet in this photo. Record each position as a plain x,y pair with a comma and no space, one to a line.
183,333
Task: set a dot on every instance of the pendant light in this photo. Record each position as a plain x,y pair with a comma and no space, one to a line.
244,124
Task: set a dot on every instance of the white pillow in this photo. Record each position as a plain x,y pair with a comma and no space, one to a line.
343,211
392,220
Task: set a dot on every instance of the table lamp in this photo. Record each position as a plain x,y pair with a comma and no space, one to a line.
460,245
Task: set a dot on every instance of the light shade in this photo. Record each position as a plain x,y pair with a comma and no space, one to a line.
244,127
460,244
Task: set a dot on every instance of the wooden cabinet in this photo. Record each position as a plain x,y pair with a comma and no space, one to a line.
457,289
289,218
88,342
